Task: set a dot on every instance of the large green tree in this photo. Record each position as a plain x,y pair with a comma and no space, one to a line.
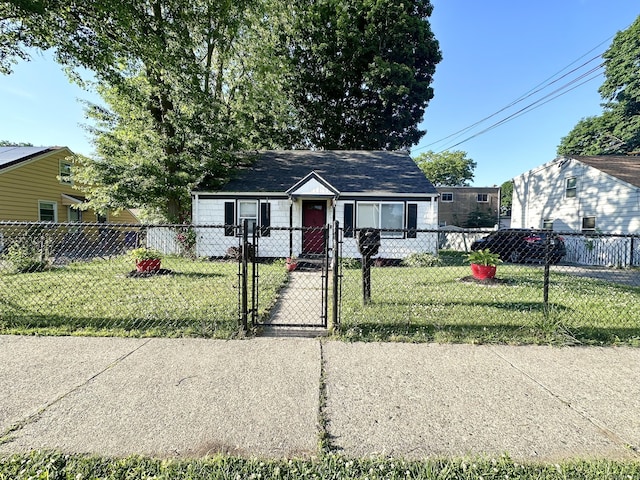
359,71
450,168
161,66
617,130
186,82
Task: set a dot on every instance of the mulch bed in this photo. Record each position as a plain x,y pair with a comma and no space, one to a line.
486,281
136,274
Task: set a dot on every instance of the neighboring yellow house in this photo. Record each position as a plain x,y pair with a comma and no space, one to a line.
36,185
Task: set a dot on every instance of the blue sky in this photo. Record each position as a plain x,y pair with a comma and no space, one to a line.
494,52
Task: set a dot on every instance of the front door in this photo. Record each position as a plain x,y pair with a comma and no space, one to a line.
314,217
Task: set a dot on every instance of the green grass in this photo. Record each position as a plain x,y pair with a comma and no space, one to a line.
199,298
433,304
57,466
416,304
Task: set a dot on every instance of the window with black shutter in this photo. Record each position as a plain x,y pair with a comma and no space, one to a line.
348,220
229,218
265,219
412,219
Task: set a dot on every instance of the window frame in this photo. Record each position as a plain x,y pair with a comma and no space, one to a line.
65,177
380,204
442,198
255,219
74,211
571,191
484,195
588,230
54,207
547,224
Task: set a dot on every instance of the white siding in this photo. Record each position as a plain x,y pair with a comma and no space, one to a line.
540,194
213,242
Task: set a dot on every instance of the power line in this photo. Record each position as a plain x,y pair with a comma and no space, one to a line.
534,90
523,97
538,103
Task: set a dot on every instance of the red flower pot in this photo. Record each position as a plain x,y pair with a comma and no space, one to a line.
482,272
152,265
291,267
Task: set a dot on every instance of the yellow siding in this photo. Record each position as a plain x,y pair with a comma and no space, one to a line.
23,186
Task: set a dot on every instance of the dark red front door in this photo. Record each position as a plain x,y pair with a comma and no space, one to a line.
314,214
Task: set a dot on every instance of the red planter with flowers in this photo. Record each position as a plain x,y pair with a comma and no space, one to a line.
483,272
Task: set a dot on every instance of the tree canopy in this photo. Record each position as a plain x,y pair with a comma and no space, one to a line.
187,83
506,198
617,130
9,143
360,71
450,168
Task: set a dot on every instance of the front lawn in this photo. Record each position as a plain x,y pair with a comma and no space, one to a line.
435,304
196,298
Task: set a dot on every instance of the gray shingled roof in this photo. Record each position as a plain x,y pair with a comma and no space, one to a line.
12,155
348,171
626,168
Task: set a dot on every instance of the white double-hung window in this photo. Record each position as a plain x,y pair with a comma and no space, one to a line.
248,210
384,215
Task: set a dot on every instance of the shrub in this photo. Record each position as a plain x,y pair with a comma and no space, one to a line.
351,263
236,252
24,257
422,260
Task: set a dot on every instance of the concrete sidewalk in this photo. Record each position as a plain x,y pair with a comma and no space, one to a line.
193,397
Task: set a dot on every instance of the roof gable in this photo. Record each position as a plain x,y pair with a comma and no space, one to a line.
625,168
313,184
346,171
12,156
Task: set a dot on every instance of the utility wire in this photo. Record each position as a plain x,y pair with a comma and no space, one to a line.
523,97
536,89
532,106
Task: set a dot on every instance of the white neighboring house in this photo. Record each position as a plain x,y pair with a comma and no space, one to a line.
587,194
300,188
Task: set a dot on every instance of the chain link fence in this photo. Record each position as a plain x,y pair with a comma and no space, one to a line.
84,279
548,288
215,281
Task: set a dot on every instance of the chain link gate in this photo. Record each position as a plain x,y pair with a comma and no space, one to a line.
302,299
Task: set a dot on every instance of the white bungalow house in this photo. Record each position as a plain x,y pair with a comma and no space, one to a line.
588,195
580,194
283,191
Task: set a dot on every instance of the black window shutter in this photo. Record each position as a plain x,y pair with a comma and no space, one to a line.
229,218
412,219
265,219
348,220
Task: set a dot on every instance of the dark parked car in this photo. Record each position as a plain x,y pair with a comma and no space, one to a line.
522,245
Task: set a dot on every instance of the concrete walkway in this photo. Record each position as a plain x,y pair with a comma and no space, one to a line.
300,302
193,397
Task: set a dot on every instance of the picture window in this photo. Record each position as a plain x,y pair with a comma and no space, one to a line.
382,215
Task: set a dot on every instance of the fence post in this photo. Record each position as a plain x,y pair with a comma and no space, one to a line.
547,261
244,286
254,277
334,272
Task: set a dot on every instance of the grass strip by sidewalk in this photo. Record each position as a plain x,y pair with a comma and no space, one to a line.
58,466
